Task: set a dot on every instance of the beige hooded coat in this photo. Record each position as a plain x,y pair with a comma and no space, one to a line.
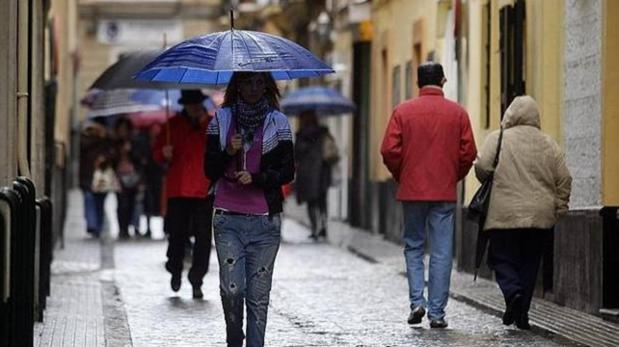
532,184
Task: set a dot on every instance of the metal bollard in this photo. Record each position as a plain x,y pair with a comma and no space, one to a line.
46,249
11,202
17,263
23,277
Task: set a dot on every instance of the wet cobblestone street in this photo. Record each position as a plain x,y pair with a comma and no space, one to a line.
322,296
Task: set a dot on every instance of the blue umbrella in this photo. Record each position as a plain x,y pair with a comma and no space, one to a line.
212,59
325,101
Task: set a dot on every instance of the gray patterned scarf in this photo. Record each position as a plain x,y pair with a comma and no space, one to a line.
251,116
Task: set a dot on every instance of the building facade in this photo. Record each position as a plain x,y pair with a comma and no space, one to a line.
36,103
558,51
107,29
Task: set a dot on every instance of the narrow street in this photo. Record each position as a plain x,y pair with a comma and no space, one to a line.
322,296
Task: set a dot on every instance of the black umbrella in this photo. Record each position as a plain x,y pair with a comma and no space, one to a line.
482,244
120,74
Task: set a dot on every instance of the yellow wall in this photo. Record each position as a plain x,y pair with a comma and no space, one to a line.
610,105
543,67
393,23
64,14
475,101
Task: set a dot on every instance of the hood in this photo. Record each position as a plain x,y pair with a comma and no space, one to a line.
522,111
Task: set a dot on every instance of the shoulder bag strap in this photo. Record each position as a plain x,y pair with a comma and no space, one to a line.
498,149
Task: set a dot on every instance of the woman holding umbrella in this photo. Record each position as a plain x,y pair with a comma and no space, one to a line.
315,150
315,154
249,157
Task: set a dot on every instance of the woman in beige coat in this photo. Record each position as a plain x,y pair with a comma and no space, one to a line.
531,188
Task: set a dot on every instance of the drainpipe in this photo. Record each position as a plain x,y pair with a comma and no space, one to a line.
23,61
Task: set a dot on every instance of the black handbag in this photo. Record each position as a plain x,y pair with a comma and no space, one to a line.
478,207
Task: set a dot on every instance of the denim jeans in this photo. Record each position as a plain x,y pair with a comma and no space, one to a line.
437,219
94,211
246,250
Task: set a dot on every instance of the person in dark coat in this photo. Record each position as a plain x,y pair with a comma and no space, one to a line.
152,176
94,146
313,170
128,170
180,146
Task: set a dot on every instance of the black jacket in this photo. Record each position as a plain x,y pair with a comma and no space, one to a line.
314,175
276,164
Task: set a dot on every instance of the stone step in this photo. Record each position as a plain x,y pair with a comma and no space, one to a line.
577,326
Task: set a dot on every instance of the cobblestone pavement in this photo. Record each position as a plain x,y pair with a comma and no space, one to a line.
74,315
322,296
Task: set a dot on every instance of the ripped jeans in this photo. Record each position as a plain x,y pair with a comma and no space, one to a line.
246,250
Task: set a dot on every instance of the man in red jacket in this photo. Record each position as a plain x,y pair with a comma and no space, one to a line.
181,145
428,147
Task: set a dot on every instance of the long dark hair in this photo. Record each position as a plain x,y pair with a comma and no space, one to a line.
232,91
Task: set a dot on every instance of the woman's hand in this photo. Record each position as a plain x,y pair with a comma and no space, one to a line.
235,144
243,177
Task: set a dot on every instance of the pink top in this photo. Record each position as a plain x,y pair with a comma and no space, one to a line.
233,196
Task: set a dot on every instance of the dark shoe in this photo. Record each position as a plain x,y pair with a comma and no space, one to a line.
175,282
197,293
123,236
323,232
416,315
512,311
438,323
522,322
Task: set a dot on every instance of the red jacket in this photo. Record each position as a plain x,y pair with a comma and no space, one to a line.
185,176
428,147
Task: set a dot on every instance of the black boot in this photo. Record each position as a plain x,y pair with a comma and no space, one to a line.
512,311
522,321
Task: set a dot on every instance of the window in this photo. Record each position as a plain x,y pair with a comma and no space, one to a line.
408,80
395,87
512,52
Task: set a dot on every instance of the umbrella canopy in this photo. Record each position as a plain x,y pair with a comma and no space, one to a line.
119,75
160,116
325,101
159,98
111,102
212,59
